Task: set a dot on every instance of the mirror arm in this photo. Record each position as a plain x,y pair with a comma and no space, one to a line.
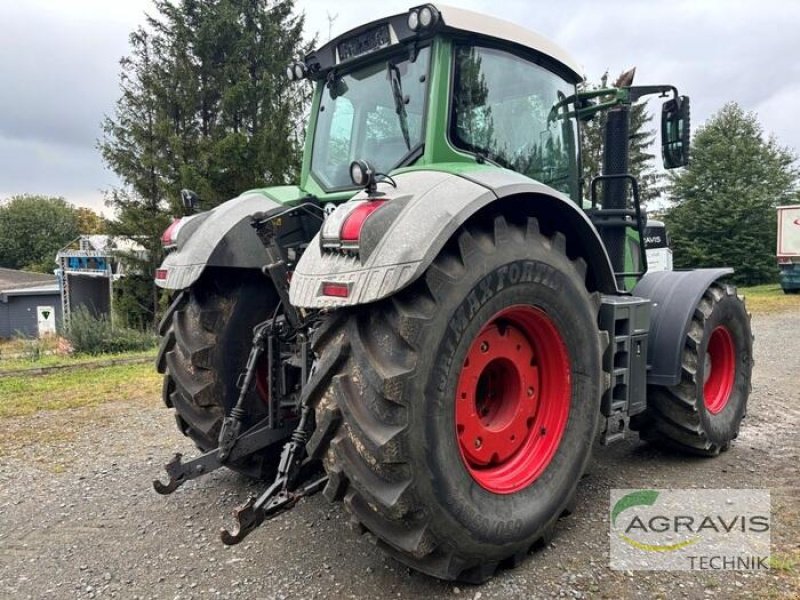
614,97
639,91
584,110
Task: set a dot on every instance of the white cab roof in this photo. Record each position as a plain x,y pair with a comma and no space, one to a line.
481,24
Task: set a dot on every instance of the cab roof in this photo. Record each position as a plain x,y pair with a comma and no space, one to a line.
451,20
485,25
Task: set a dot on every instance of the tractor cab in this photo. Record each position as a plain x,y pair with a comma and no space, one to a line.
437,86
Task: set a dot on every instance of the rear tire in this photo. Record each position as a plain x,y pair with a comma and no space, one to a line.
703,413
396,458
207,345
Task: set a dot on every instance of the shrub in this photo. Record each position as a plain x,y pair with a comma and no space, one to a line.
89,334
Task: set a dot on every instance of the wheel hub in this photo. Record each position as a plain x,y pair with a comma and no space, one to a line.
512,399
497,395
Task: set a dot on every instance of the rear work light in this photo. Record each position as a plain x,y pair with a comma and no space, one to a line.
170,236
423,17
342,229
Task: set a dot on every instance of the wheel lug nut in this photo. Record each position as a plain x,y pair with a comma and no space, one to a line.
543,431
478,442
530,392
484,346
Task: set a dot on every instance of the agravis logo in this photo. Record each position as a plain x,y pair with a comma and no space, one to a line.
644,498
690,529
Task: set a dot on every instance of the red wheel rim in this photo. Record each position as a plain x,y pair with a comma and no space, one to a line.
720,370
512,399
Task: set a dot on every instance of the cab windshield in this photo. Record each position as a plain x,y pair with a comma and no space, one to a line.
373,113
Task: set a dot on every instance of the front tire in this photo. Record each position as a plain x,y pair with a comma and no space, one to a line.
407,459
703,413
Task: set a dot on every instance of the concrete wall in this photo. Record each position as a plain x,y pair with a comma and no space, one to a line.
19,314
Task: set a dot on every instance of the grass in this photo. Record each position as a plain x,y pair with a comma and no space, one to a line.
58,360
784,562
769,298
25,395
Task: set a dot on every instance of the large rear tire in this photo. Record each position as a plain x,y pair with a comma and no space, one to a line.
207,344
466,406
703,413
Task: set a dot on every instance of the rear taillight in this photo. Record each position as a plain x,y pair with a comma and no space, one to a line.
342,228
351,228
337,290
161,274
170,236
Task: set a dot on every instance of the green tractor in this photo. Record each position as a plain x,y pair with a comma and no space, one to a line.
439,321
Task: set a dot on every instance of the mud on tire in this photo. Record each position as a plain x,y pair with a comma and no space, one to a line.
394,457
703,413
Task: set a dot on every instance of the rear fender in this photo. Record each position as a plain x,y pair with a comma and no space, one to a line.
402,239
674,296
222,237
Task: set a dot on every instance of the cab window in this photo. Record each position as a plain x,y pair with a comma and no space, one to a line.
506,108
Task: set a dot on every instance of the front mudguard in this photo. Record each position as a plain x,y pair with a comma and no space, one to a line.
674,296
222,237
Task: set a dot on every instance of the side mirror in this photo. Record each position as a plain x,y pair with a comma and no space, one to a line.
190,200
675,132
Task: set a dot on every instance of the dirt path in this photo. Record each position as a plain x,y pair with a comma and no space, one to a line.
78,517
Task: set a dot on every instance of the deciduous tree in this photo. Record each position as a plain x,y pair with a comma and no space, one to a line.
33,229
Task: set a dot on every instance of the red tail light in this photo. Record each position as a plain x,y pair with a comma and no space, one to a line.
170,235
351,228
342,228
338,290
161,274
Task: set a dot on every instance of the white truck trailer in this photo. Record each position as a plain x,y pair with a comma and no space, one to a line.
789,247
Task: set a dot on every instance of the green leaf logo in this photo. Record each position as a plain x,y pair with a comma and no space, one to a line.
640,498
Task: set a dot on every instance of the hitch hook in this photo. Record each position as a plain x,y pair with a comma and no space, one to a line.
177,476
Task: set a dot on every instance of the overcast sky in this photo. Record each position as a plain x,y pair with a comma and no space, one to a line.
59,66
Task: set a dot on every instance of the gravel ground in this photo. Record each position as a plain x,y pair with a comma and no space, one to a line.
79,518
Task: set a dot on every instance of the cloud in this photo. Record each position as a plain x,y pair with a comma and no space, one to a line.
59,72
53,169
59,65
775,114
